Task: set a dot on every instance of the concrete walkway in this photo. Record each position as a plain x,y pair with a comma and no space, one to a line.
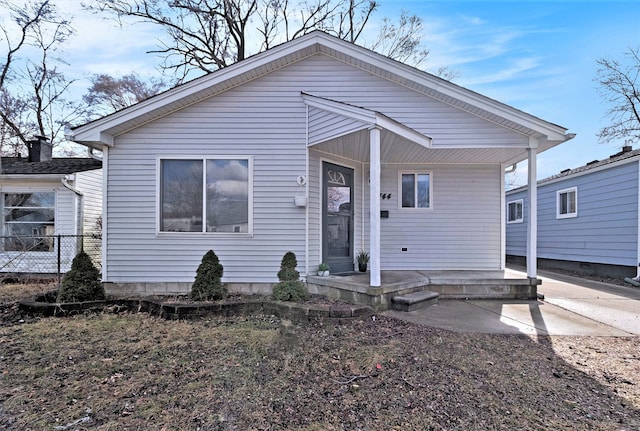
571,306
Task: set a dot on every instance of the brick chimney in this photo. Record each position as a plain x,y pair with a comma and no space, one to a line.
40,150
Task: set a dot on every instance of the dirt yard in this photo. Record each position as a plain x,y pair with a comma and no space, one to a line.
131,371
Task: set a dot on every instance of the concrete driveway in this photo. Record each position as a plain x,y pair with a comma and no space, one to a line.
571,306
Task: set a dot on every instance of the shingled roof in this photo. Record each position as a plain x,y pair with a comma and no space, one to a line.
62,165
625,154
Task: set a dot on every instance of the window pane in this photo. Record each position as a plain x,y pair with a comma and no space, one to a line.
408,191
41,199
512,212
20,215
423,190
228,196
181,196
571,204
563,203
518,211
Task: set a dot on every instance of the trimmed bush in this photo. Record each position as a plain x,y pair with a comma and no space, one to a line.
82,282
290,287
208,285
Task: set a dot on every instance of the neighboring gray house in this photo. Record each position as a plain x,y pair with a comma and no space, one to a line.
316,146
587,218
45,200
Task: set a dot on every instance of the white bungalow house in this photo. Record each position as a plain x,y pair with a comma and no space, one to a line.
51,209
316,146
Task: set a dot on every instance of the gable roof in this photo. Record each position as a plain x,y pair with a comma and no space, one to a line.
624,156
63,166
103,131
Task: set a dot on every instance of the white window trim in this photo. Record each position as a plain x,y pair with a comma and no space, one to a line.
518,220
14,190
561,192
430,207
159,160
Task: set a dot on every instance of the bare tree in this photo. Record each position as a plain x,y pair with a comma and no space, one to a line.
108,94
620,88
206,35
32,89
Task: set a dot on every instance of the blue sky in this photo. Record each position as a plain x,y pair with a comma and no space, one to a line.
539,57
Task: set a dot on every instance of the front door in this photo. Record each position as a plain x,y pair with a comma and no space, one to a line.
337,217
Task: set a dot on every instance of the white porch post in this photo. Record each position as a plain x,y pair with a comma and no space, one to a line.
532,214
374,207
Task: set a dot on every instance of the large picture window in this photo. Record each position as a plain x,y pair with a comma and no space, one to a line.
205,195
415,189
29,221
567,205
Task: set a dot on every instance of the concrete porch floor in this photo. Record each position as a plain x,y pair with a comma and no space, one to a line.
354,287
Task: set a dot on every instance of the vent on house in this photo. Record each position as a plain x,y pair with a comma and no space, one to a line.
565,171
593,162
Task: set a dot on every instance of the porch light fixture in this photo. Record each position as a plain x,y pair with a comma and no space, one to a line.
300,199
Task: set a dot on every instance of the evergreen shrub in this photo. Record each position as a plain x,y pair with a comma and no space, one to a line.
290,288
82,282
208,285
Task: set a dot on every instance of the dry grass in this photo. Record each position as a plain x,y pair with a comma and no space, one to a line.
133,371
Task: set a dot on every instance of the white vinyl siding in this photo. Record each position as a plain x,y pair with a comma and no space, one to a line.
267,120
461,232
89,183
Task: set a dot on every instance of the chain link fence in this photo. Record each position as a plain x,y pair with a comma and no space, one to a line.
45,256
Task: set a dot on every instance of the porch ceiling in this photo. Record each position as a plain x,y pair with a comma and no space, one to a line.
396,149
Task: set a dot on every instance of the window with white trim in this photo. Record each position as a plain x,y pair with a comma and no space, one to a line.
216,191
514,211
29,221
415,190
567,203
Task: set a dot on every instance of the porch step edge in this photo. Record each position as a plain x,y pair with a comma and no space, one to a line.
414,301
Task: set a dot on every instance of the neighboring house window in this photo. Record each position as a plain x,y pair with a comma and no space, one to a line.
29,221
567,203
415,189
216,191
514,211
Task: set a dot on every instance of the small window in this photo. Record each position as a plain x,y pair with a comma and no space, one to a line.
415,190
205,195
567,203
514,211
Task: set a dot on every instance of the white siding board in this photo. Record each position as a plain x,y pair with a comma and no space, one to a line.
462,231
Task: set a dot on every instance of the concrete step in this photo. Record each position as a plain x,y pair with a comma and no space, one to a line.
414,301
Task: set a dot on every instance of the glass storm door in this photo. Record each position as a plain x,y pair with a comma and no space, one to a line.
337,215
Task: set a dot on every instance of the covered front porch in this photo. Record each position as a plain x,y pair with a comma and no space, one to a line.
355,287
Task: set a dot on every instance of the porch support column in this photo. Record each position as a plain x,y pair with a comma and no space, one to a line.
374,207
532,214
